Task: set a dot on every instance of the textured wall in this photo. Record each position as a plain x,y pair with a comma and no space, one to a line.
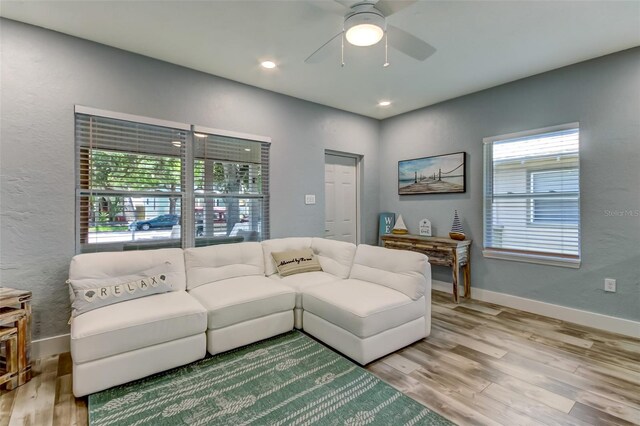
44,74
604,96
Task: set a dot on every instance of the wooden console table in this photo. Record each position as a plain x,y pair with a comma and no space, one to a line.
441,252
15,314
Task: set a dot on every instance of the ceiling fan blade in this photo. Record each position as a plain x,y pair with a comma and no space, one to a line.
409,44
323,51
347,3
330,6
389,7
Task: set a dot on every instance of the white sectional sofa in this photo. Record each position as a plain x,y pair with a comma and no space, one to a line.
366,302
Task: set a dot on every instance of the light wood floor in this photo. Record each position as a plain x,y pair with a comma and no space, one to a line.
483,364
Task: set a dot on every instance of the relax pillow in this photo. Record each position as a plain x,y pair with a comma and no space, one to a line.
295,261
89,294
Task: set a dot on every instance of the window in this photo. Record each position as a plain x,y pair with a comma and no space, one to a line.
532,196
145,183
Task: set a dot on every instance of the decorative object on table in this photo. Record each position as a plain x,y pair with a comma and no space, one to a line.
400,228
385,225
441,174
441,252
425,227
457,233
289,379
15,313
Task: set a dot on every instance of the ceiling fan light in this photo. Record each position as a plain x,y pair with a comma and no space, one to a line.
364,27
364,34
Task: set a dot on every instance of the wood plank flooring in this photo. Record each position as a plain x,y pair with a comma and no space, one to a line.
483,364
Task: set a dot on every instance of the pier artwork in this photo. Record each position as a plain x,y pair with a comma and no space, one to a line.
432,175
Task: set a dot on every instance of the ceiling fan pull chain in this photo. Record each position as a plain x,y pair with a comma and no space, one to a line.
386,49
342,52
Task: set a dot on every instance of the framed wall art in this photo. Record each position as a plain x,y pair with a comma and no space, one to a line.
440,174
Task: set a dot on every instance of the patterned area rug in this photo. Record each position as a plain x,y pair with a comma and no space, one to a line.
287,380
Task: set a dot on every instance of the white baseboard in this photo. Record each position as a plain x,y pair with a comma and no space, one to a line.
50,346
576,316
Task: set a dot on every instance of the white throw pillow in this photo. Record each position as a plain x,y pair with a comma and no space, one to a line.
88,294
295,262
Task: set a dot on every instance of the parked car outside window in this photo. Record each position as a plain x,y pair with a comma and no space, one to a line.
164,221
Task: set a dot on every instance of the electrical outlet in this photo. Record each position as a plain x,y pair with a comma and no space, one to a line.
610,285
309,199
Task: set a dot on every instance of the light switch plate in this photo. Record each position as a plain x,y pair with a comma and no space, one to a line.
309,199
610,285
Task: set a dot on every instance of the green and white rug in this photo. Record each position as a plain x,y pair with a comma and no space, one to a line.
288,380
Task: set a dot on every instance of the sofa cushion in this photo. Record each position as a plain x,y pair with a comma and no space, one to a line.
220,262
336,257
281,244
302,281
293,262
240,299
90,294
104,266
136,324
401,270
361,307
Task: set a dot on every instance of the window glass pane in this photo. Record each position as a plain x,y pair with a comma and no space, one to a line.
220,219
128,220
134,172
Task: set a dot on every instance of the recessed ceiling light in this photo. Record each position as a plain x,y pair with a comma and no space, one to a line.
268,64
176,143
384,103
199,135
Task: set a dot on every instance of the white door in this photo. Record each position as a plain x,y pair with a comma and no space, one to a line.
341,198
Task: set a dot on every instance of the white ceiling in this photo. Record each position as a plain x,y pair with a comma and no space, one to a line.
480,43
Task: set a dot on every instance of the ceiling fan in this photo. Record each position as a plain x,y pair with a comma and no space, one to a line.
365,24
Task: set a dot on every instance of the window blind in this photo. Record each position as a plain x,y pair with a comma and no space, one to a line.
128,181
231,187
532,195
143,185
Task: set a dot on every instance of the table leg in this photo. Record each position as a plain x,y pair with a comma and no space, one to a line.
467,275
467,281
22,354
11,349
455,277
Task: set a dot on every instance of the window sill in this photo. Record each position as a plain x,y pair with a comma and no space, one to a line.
533,258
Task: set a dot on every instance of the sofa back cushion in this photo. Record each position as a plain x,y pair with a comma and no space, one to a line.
404,271
281,244
220,262
336,257
101,279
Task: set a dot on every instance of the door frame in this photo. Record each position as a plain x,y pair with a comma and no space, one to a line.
359,171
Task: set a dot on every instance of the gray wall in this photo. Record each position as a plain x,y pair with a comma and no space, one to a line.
604,96
44,74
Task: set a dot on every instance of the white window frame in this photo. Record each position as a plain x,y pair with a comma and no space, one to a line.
541,259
